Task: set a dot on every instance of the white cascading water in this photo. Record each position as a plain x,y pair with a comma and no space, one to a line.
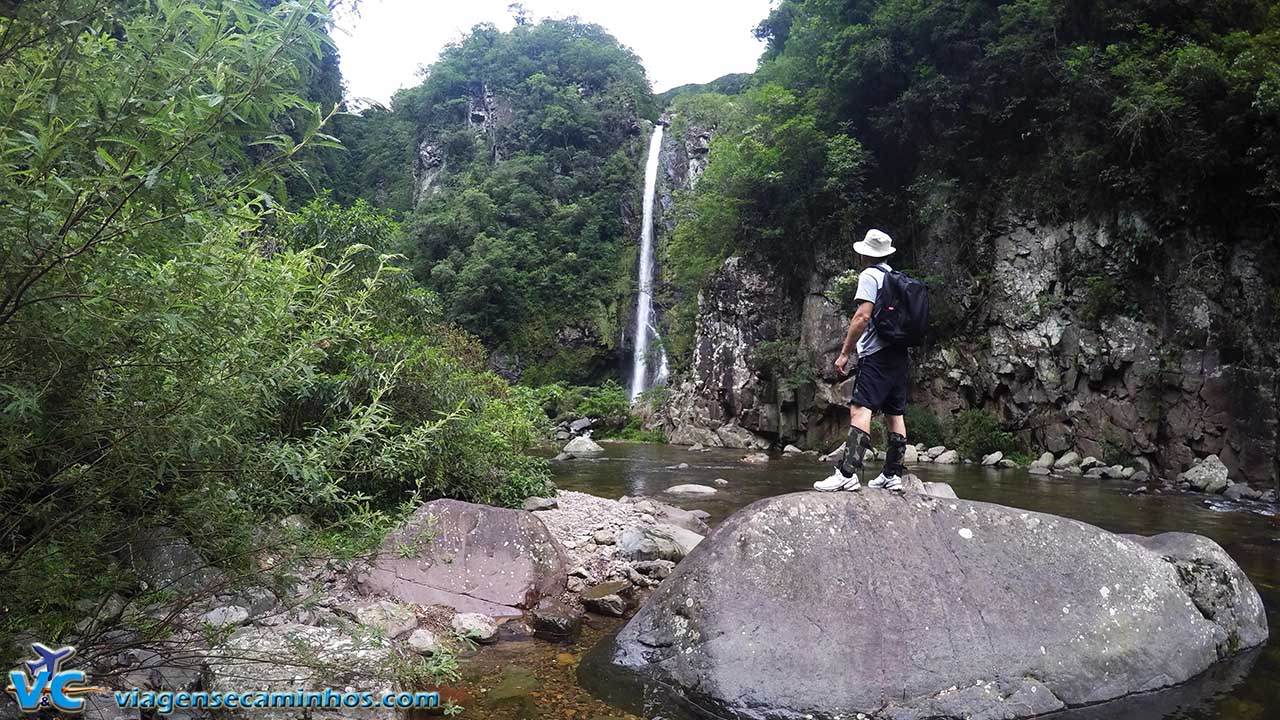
644,331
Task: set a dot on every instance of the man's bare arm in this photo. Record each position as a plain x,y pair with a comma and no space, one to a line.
857,325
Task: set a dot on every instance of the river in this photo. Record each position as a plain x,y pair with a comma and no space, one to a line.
539,680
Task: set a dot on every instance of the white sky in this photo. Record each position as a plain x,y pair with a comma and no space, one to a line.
679,41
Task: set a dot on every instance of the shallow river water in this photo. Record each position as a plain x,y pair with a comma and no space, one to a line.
538,680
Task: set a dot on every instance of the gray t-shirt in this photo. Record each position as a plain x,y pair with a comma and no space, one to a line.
870,281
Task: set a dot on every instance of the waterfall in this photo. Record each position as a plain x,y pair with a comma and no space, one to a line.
644,331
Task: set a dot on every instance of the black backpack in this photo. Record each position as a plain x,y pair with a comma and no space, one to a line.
901,313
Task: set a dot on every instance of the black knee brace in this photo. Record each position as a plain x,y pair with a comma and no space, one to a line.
855,447
895,454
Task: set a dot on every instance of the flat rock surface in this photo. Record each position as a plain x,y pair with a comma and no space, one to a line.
287,657
473,558
908,606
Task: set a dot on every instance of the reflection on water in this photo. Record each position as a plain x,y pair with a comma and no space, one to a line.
1245,689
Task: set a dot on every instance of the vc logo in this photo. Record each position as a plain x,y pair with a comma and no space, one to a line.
42,683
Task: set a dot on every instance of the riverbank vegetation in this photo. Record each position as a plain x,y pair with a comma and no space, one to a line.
184,343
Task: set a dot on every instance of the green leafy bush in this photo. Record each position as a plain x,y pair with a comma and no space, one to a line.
634,431
844,289
607,402
1103,298
787,363
178,349
976,433
924,427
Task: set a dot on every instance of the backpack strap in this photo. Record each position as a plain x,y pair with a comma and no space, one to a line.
884,274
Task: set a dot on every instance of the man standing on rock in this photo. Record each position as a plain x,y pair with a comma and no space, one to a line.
881,384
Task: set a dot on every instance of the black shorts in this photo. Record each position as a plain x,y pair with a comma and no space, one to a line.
882,381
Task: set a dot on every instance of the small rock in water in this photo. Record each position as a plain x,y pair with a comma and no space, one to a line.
533,504
607,598
1090,463
691,489
1235,491
556,621
475,626
1044,461
720,481
993,459
1006,464
935,451
949,457
1038,470
1067,460
1209,475
696,447
423,641
562,457
791,450
583,446
756,458
682,466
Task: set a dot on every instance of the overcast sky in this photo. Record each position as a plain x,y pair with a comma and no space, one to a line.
679,41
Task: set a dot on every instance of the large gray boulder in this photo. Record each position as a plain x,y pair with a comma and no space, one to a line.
1209,475
911,607
583,447
473,558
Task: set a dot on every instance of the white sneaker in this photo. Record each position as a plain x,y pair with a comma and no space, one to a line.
886,482
838,482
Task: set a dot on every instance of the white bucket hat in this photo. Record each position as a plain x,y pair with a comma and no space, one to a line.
875,244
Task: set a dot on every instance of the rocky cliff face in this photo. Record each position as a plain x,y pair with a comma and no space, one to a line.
487,115
686,148
1171,369
723,402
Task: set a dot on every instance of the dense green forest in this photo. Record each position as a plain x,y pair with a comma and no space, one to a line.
934,115
187,339
528,145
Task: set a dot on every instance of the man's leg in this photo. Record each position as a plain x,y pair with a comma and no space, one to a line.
894,408
846,475
897,451
859,441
